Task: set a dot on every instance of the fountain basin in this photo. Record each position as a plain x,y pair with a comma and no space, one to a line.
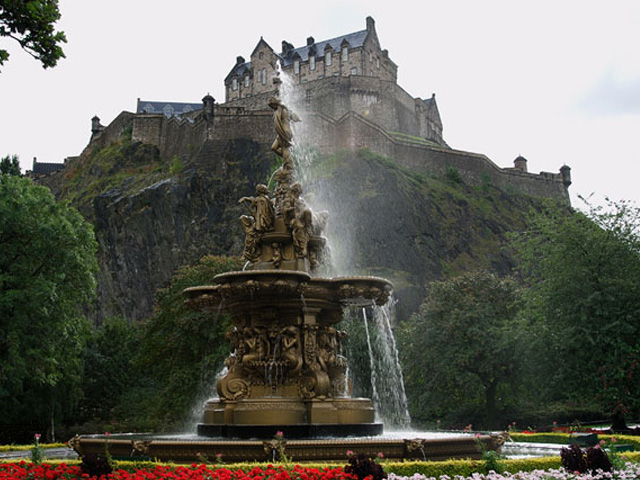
192,449
239,292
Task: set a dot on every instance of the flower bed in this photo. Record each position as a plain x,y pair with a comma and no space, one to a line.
24,470
631,472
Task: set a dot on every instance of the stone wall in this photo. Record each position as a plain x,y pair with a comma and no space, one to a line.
113,131
353,131
351,117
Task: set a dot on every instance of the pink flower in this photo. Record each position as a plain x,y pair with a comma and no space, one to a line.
380,455
37,437
349,453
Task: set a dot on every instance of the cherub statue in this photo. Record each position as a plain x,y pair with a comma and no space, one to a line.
261,208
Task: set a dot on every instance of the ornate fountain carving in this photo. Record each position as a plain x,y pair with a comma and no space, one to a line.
286,361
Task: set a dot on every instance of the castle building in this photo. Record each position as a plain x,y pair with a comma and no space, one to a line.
346,90
350,73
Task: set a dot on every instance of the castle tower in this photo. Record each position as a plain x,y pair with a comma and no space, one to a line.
520,163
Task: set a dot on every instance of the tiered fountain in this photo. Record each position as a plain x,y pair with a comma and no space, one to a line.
286,376
286,370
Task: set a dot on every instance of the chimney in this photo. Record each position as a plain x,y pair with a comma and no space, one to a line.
310,41
239,60
371,24
286,47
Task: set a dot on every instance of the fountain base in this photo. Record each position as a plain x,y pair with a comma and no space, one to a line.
263,417
312,430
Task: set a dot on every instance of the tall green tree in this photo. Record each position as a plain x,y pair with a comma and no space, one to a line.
32,24
459,352
109,372
10,165
583,271
47,267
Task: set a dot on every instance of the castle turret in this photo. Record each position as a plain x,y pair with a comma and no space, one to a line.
95,125
520,163
208,106
565,172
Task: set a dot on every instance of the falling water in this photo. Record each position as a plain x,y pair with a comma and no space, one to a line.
377,373
374,371
392,386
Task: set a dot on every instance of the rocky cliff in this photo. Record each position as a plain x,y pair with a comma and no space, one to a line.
152,215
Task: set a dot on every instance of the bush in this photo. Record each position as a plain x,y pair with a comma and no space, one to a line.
95,465
597,459
573,459
362,467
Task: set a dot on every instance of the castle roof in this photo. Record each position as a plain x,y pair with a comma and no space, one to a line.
354,40
239,69
44,167
168,109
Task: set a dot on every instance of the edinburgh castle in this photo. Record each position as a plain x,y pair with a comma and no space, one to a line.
347,89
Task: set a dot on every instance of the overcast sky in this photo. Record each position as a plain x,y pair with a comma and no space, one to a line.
555,81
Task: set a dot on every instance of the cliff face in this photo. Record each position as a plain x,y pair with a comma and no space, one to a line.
411,228
153,215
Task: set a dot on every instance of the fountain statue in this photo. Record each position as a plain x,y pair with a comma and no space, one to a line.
286,376
287,370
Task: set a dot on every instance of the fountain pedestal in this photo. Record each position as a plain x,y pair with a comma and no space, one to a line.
286,371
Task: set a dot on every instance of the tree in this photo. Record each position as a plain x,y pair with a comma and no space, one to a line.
109,371
583,305
47,267
459,351
32,24
181,350
10,165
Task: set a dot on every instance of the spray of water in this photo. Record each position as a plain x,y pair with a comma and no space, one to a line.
375,368
319,194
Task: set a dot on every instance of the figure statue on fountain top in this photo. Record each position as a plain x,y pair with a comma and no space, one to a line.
282,118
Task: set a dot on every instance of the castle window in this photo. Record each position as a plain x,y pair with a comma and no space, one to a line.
264,76
259,76
246,80
234,84
354,71
371,57
168,110
377,62
328,59
260,55
345,54
296,66
312,62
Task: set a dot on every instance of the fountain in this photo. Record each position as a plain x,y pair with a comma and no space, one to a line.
286,370
285,384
